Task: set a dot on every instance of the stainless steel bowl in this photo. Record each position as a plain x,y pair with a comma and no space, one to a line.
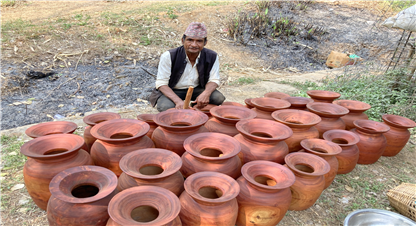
375,217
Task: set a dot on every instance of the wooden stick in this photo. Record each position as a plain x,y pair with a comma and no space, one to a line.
188,97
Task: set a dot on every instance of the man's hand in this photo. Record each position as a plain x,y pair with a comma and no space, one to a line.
179,104
202,100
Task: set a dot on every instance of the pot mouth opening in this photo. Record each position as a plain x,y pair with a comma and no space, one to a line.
100,121
181,124
85,191
231,117
50,133
371,129
144,214
294,121
151,170
55,151
210,192
339,141
304,168
122,135
211,152
261,134
265,180
320,150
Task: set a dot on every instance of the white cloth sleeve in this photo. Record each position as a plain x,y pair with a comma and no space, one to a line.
214,75
163,70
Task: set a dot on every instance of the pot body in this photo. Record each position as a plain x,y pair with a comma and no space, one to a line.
174,222
330,176
371,146
88,138
300,134
351,117
263,114
329,124
396,139
305,191
347,159
216,126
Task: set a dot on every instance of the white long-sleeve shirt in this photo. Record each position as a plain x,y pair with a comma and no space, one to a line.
190,76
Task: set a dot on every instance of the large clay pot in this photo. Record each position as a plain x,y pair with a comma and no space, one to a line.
330,116
215,152
372,141
206,109
148,118
151,166
264,193
302,124
347,140
276,95
398,135
116,138
209,199
228,103
323,96
309,171
225,118
265,106
49,128
298,103
248,103
356,108
326,150
144,205
92,120
80,196
262,139
47,156
175,126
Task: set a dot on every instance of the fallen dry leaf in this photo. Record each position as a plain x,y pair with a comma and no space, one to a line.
348,188
17,187
61,105
80,97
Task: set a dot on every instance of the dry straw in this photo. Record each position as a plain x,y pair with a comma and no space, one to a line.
403,199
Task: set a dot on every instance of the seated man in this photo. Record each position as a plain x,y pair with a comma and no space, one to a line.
185,66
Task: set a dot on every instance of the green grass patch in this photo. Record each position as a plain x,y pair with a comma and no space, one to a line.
398,5
12,159
243,81
8,3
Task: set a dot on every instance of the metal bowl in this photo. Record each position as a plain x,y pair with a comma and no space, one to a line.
375,217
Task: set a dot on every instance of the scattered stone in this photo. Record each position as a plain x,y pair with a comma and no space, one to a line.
17,187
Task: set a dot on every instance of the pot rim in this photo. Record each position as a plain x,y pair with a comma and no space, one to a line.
353,109
336,149
360,125
298,101
148,118
316,118
286,129
214,113
89,119
31,131
341,110
404,122
323,94
203,119
145,128
271,94
354,135
312,159
283,104
284,170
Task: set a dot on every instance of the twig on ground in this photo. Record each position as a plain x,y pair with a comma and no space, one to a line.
79,60
144,69
59,86
79,87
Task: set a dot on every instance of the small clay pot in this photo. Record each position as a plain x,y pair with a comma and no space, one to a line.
80,196
144,205
298,103
347,140
115,139
209,199
215,152
309,171
372,141
148,118
49,128
323,96
326,150
225,118
227,103
398,135
175,126
265,106
356,108
206,109
330,116
276,95
262,139
248,103
265,189
48,156
302,124
92,120
151,166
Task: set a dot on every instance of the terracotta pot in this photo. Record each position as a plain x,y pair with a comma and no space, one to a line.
326,150
330,116
151,166
372,141
47,156
80,196
144,205
276,95
265,189
323,96
148,118
206,109
248,103
262,139
116,138
92,120
215,152
175,126
347,140
265,106
302,124
227,103
298,103
225,118
356,108
49,128
209,199
398,135
309,171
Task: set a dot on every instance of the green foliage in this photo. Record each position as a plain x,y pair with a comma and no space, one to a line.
398,5
171,14
144,40
11,156
243,81
8,3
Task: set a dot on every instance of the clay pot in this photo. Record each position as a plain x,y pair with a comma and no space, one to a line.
265,106
80,196
248,103
276,95
326,150
298,103
347,140
144,205
215,152
372,141
330,116
398,135
227,103
356,108
175,126
47,156
206,109
265,189
92,120
151,166
116,138
148,118
262,139
209,199
302,124
323,96
309,171
225,118
49,128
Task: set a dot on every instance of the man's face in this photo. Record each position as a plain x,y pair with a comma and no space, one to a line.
193,45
